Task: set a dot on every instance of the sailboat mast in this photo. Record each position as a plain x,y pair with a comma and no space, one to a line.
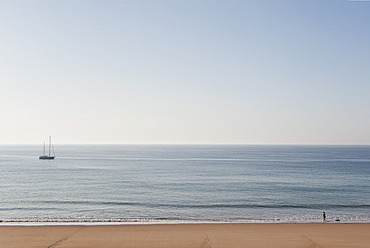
49,144
43,150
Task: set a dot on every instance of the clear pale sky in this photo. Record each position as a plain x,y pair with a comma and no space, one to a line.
185,72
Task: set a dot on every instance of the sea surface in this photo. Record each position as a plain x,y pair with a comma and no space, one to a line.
184,183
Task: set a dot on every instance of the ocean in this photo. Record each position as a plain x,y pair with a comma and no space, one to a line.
184,183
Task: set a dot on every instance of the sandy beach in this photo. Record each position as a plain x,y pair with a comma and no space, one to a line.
188,235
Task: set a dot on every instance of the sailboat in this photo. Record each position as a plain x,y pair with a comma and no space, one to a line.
44,156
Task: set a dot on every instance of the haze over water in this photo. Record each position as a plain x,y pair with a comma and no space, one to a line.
185,183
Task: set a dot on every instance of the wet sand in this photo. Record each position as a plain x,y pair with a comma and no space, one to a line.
326,235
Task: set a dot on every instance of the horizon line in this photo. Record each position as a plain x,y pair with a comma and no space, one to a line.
208,144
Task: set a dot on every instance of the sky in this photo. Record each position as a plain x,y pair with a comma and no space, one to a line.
185,72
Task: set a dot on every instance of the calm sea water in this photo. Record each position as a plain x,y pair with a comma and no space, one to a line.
146,183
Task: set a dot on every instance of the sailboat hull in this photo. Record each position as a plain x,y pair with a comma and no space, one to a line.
46,157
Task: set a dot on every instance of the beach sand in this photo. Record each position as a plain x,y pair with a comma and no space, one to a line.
322,235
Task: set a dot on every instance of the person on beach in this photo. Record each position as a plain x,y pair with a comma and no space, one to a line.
323,216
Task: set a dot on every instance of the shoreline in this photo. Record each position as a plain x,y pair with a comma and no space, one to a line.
148,221
189,235
163,222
